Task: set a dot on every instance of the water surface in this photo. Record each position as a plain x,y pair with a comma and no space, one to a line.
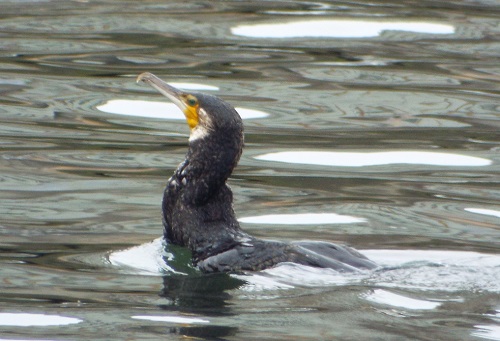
373,124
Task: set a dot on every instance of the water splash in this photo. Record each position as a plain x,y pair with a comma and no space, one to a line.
403,269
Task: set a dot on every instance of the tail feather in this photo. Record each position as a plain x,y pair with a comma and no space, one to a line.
329,255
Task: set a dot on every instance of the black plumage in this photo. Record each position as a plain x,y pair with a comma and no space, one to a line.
198,204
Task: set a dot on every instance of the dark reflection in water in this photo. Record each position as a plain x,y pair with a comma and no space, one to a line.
199,294
205,295
80,184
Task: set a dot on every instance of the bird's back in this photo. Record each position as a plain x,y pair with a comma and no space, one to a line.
257,254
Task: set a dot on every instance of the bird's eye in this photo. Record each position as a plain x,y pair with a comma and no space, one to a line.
192,101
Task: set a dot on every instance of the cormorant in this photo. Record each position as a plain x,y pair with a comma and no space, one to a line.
198,204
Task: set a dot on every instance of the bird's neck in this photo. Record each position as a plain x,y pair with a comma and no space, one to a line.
197,203
208,165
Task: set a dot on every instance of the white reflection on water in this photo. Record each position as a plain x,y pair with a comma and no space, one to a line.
385,297
337,29
29,320
171,319
483,211
362,159
302,219
487,332
163,110
194,86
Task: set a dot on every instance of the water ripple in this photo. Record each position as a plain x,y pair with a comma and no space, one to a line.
337,28
81,188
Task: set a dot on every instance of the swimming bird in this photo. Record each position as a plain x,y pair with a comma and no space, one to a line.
198,204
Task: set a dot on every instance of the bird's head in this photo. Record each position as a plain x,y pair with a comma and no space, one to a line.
206,115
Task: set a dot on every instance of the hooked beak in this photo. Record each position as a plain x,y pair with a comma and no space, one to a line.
186,102
175,95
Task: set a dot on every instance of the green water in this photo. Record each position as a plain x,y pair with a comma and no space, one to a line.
369,123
